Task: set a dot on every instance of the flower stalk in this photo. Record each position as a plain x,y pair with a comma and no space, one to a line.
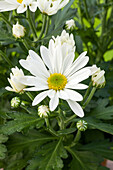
43,27
89,98
30,95
32,26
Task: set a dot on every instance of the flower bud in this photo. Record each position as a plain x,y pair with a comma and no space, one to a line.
81,125
70,24
43,111
14,80
98,78
18,30
15,102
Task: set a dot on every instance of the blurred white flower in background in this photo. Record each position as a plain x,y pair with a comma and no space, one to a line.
67,42
70,24
50,7
60,80
18,30
20,5
15,76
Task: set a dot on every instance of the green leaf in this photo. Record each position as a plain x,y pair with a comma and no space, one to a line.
21,121
108,56
83,160
3,138
49,157
33,139
2,151
100,148
101,111
2,147
96,124
66,131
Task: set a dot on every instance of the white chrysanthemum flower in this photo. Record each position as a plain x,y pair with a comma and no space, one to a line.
18,30
16,85
98,78
70,24
20,5
67,42
50,7
43,111
60,80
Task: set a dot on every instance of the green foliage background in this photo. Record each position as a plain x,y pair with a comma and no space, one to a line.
25,141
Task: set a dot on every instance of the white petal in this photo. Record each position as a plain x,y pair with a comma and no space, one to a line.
63,95
54,102
46,56
76,108
51,93
76,86
9,88
39,98
33,6
31,89
73,95
79,76
5,6
22,8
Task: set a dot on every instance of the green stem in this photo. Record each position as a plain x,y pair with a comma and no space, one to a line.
43,27
49,128
87,93
6,58
62,126
70,118
47,25
31,23
30,95
77,137
5,19
23,107
89,98
81,18
87,13
25,44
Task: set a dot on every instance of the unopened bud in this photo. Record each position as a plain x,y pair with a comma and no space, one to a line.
15,102
98,78
43,111
18,30
70,24
81,125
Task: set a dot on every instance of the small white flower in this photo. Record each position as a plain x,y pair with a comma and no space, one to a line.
50,7
67,42
60,80
70,24
16,85
20,5
98,78
43,111
18,30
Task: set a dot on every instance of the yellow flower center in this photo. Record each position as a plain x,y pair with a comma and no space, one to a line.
19,1
57,81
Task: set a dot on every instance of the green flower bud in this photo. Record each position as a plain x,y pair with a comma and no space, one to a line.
43,111
15,102
81,125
